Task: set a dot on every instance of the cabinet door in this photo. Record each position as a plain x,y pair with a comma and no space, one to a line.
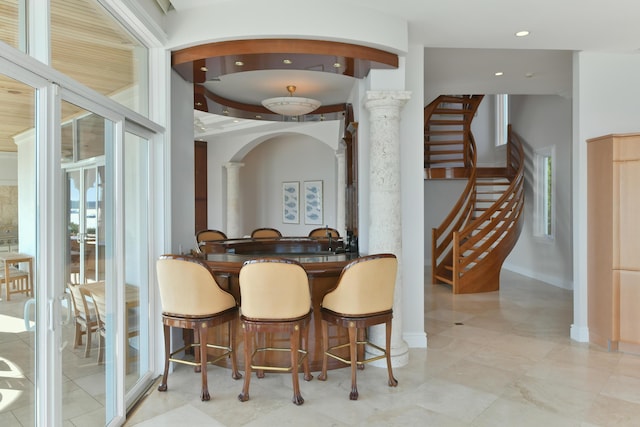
629,303
628,227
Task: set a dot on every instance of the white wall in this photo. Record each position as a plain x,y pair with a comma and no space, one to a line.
182,163
8,168
544,121
605,101
334,20
286,158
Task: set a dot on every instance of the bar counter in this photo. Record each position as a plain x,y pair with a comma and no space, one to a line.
323,268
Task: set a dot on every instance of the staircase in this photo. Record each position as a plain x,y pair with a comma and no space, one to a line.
471,244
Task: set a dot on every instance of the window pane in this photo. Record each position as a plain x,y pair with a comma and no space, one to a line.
10,22
89,45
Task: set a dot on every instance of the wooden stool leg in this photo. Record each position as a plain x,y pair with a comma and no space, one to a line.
232,344
167,349
353,335
305,347
202,331
196,354
392,381
325,347
248,338
295,346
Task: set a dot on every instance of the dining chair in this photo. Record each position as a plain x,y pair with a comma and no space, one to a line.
97,298
84,316
275,298
192,299
324,232
362,297
204,236
265,232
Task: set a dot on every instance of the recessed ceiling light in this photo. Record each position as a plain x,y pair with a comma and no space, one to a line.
239,63
498,73
287,61
522,33
205,69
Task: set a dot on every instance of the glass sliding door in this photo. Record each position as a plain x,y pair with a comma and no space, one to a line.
18,251
88,365
136,254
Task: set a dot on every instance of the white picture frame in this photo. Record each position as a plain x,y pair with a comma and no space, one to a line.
313,202
291,202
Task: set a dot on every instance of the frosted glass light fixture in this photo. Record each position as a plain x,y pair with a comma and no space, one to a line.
291,105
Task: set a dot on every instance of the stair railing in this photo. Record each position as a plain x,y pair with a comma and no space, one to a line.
460,215
488,239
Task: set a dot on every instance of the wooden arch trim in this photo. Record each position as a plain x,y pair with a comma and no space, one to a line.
204,62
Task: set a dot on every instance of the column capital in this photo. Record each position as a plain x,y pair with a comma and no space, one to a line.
230,165
386,98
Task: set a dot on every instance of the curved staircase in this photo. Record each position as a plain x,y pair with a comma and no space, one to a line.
471,244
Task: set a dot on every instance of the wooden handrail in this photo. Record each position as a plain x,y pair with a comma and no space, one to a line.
467,251
488,239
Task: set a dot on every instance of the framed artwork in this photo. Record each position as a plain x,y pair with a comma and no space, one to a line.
313,202
291,202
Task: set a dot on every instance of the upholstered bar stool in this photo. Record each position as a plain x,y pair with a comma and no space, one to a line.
275,297
192,299
362,297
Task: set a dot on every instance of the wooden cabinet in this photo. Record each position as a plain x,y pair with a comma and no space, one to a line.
613,242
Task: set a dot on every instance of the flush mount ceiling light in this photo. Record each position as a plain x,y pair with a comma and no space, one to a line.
291,105
522,33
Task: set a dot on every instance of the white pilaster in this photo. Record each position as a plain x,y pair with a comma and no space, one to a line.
234,214
385,216
341,205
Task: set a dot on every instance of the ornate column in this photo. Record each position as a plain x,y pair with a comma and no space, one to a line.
341,194
385,216
234,215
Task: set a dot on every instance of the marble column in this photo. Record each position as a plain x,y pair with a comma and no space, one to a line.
234,214
385,216
341,194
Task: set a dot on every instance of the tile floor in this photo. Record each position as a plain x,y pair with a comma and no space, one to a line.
496,359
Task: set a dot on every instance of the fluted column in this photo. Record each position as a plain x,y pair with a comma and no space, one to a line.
385,216
341,195
234,214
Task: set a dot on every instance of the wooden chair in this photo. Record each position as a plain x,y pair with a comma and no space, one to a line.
99,302
16,280
324,232
204,236
84,315
265,232
192,299
275,297
362,297
101,315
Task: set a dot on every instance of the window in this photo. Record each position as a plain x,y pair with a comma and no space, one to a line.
502,119
544,196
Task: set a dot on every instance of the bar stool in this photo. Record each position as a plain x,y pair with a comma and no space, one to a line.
363,297
192,299
275,297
